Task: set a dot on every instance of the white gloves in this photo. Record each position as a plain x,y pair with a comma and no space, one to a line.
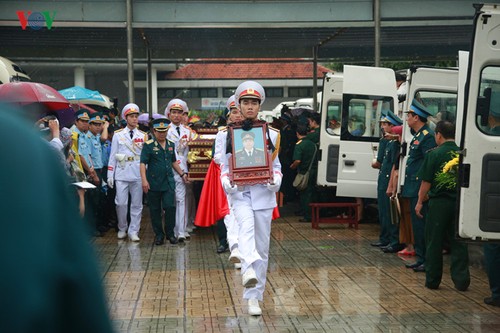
226,184
111,182
277,183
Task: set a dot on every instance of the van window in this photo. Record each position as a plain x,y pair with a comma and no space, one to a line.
490,88
443,105
361,115
333,115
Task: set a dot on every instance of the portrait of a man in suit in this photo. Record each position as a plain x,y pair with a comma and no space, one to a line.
249,156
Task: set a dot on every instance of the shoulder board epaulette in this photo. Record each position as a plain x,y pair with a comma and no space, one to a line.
121,129
274,129
425,132
149,141
298,142
171,142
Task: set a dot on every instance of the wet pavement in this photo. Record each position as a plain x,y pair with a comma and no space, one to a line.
326,280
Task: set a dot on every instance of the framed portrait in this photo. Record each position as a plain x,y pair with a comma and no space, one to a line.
250,162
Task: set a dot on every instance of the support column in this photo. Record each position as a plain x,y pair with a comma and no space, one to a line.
154,90
315,77
79,74
130,54
376,21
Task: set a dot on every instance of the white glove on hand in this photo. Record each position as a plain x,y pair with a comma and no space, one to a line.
111,182
277,183
226,184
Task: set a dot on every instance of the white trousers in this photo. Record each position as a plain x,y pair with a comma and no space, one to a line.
180,207
123,188
253,242
231,226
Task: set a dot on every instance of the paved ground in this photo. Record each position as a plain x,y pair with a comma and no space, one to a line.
327,280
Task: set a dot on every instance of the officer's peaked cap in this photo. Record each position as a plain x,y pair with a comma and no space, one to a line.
250,89
96,117
160,124
130,108
419,109
392,118
176,104
82,114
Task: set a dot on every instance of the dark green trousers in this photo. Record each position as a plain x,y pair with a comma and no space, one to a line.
308,195
159,201
222,232
439,226
418,226
492,263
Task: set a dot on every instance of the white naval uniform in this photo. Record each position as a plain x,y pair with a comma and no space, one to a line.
127,177
181,153
229,220
253,209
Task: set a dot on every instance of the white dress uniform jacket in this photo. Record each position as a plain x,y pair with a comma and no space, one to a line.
126,168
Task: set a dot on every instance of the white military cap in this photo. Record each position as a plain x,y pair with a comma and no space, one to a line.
250,89
176,104
231,102
130,108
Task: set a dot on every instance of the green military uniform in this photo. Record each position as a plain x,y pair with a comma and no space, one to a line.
389,232
314,136
161,194
304,151
383,211
439,222
422,141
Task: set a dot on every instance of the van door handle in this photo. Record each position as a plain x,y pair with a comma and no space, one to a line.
349,162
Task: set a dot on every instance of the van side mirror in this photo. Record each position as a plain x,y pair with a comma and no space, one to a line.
483,106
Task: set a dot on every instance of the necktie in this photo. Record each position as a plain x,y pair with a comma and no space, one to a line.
178,130
131,134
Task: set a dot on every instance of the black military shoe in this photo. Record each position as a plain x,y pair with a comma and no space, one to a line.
492,301
172,240
419,269
159,241
222,248
393,248
379,244
415,264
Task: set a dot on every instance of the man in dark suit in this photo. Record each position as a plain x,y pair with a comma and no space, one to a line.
249,156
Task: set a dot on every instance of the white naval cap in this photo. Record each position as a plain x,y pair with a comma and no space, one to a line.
231,102
130,108
176,104
250,89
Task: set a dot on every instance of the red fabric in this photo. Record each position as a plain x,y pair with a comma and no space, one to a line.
32,92
213,202
276,213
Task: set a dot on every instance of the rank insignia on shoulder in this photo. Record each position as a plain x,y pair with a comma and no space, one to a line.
425,132
149,141
298,142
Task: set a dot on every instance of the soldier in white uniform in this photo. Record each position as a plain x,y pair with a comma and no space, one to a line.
124,171
233,115
180,135
253,205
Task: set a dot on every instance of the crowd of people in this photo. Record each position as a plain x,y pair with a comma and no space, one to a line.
127,165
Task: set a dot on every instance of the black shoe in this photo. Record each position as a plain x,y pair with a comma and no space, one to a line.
222,248
428,286
393,248
172,240
379,244
415,264
492,301
419,269
463,287
181,239
305,220
159,241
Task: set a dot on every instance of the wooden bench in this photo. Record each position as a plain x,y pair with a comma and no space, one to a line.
349,217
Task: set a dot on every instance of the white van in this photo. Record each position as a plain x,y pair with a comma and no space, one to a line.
479,179
10,72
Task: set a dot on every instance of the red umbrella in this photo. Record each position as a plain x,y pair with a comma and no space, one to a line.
32,92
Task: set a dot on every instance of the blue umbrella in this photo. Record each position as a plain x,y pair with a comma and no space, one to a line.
77,93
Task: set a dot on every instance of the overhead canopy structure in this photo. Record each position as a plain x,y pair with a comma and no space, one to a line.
179,30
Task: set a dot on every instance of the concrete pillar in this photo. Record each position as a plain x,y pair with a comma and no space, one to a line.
79,74
154,91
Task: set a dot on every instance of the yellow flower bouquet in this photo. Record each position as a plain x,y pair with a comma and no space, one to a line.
447,177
